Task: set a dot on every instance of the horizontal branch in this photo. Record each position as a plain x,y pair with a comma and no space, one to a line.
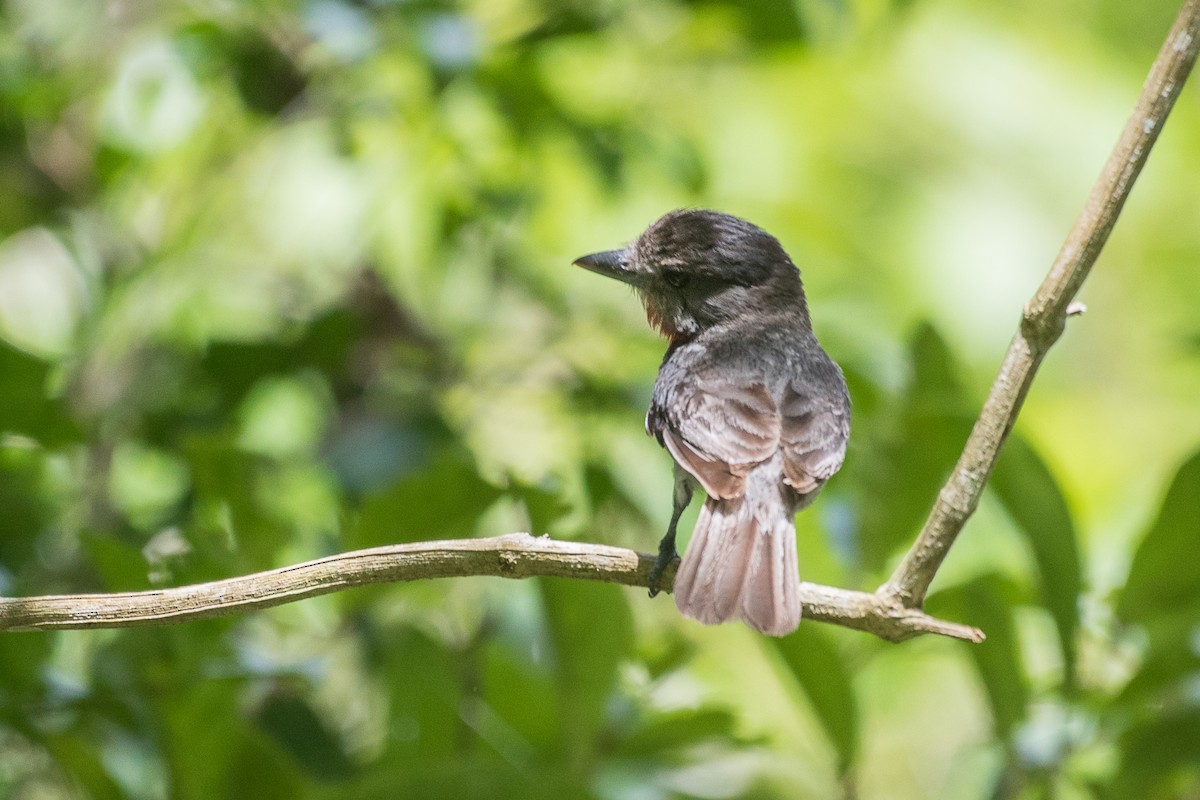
517,555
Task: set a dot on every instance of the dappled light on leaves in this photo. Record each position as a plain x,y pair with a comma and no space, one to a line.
282,281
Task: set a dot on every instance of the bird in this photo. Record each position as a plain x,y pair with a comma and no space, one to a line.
747,403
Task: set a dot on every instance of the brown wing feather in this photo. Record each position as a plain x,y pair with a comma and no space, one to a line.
719,432
815,429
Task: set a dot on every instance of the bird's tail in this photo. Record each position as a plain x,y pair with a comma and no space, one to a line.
741,562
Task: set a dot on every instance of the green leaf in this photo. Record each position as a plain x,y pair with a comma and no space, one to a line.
26,512
199,765
424,693
548,509
1028,490
442,501
23,656
80,759
266,77
1153,753
512,673
122,566
1171,664
230,480
261,771
591,628
911,464
985,601
822,673
293,723
25,407
662,735
764,22
665,652
1163,579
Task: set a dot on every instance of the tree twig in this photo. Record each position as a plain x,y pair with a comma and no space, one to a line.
517,555
1045,315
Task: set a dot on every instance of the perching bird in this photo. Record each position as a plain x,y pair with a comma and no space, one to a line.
747,403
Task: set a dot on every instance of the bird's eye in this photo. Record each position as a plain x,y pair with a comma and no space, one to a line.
677,278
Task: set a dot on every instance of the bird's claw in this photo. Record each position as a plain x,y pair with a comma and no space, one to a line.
666,554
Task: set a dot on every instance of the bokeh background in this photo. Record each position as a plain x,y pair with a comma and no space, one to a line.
282,279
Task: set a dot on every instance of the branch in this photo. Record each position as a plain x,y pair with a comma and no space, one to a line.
1045,315
893,612
517,555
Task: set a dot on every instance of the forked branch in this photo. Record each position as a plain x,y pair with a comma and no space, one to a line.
517,555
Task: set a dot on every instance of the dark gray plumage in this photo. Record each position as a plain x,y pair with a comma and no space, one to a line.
747,403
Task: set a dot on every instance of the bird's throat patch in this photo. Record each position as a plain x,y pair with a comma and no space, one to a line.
661,321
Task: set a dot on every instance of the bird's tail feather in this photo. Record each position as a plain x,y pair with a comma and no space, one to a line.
741,563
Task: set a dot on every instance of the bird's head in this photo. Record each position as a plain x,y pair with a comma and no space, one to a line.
696,269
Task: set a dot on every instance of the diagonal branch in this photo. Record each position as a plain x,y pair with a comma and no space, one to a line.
1045,315
517,555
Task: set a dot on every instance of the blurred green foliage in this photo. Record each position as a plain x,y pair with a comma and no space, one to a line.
281,279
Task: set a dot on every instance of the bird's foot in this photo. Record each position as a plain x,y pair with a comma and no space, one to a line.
666,554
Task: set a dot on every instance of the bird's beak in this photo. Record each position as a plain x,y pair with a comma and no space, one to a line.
610,263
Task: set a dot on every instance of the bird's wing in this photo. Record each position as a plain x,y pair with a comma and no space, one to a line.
718,431
815,429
